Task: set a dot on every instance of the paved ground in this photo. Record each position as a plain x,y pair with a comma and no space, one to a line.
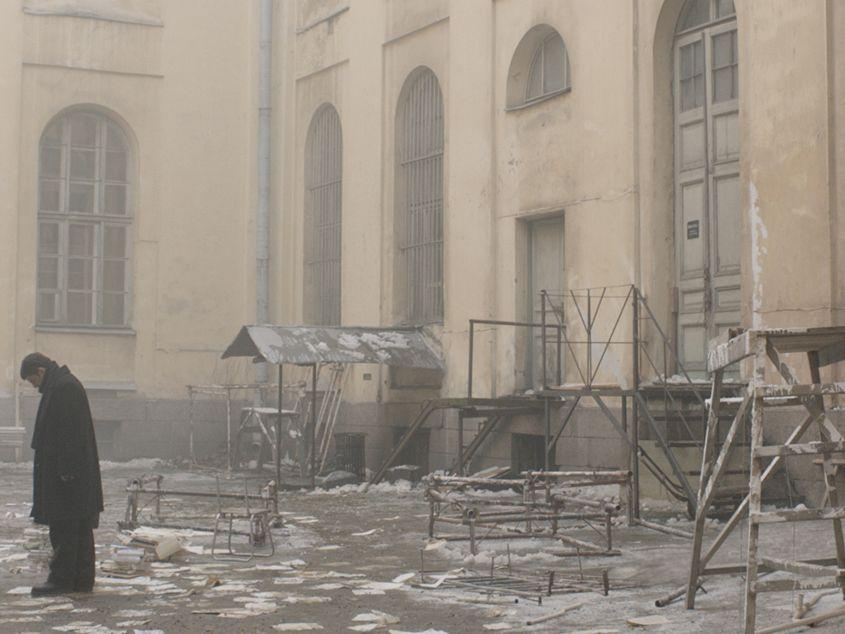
325,574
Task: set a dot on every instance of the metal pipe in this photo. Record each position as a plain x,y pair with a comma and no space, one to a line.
262,221
543,338
460,442
279,436
547,432
197,494
471,346
229,430
559,352
499,322
313,423
589,338
191,425
635,419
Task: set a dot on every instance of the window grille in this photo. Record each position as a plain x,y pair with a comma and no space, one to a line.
421,181
323,186
84,222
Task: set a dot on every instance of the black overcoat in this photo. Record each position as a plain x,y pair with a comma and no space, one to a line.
64,444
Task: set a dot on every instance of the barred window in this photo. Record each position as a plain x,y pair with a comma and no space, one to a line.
323,189
84,222
420,151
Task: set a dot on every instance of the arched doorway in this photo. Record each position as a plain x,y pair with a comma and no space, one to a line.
707,190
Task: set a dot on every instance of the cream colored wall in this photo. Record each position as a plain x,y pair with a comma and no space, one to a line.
569,155
601,154
11,35
184,91
785,149
836,113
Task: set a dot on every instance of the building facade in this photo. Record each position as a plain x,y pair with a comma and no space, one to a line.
433,162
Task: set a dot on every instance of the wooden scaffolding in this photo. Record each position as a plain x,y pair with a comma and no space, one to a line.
822,347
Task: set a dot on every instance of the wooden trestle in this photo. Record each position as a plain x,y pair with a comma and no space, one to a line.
822,346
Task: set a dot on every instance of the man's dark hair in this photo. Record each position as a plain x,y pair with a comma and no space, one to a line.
32,362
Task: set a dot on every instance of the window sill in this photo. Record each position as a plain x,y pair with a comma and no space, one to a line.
86,330
534,102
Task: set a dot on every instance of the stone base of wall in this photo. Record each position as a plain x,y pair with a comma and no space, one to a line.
132,427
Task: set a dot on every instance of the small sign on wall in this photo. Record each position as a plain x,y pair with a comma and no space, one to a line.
692,230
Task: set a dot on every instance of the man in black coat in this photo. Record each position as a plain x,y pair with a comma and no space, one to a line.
67,493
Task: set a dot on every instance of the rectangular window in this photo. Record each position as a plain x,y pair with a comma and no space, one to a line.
84,223
692,76
725,67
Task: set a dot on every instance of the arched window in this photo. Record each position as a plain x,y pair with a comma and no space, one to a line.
707,184
539,68
697,13
420,200
323,186
549,72
84,222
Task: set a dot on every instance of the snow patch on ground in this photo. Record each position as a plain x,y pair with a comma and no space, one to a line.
135,463
400,487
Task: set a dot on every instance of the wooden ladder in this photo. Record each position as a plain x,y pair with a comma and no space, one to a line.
808,574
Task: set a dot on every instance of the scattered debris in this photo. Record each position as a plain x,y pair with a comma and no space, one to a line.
538,505
372,531
647,621
555,615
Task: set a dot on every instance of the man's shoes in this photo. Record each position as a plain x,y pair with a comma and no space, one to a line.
51,588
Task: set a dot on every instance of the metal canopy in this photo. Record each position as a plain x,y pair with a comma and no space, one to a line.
302,345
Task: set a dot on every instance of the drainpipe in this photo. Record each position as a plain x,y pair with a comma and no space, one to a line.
262,221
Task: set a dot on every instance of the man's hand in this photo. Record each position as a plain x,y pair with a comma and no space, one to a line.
67,478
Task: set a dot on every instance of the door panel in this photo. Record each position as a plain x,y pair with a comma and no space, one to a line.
707,189
545,249
726,217
726,136
693,146
693,217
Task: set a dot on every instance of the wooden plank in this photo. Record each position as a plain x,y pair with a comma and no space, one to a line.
831,354
722,460
799,390
739,513
723,354
733,569
810,448
791,585
799,567
813,403
566,475
701,510
809,621
796,515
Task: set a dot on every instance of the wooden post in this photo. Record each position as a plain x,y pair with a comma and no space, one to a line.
755,485
829,473
710,439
